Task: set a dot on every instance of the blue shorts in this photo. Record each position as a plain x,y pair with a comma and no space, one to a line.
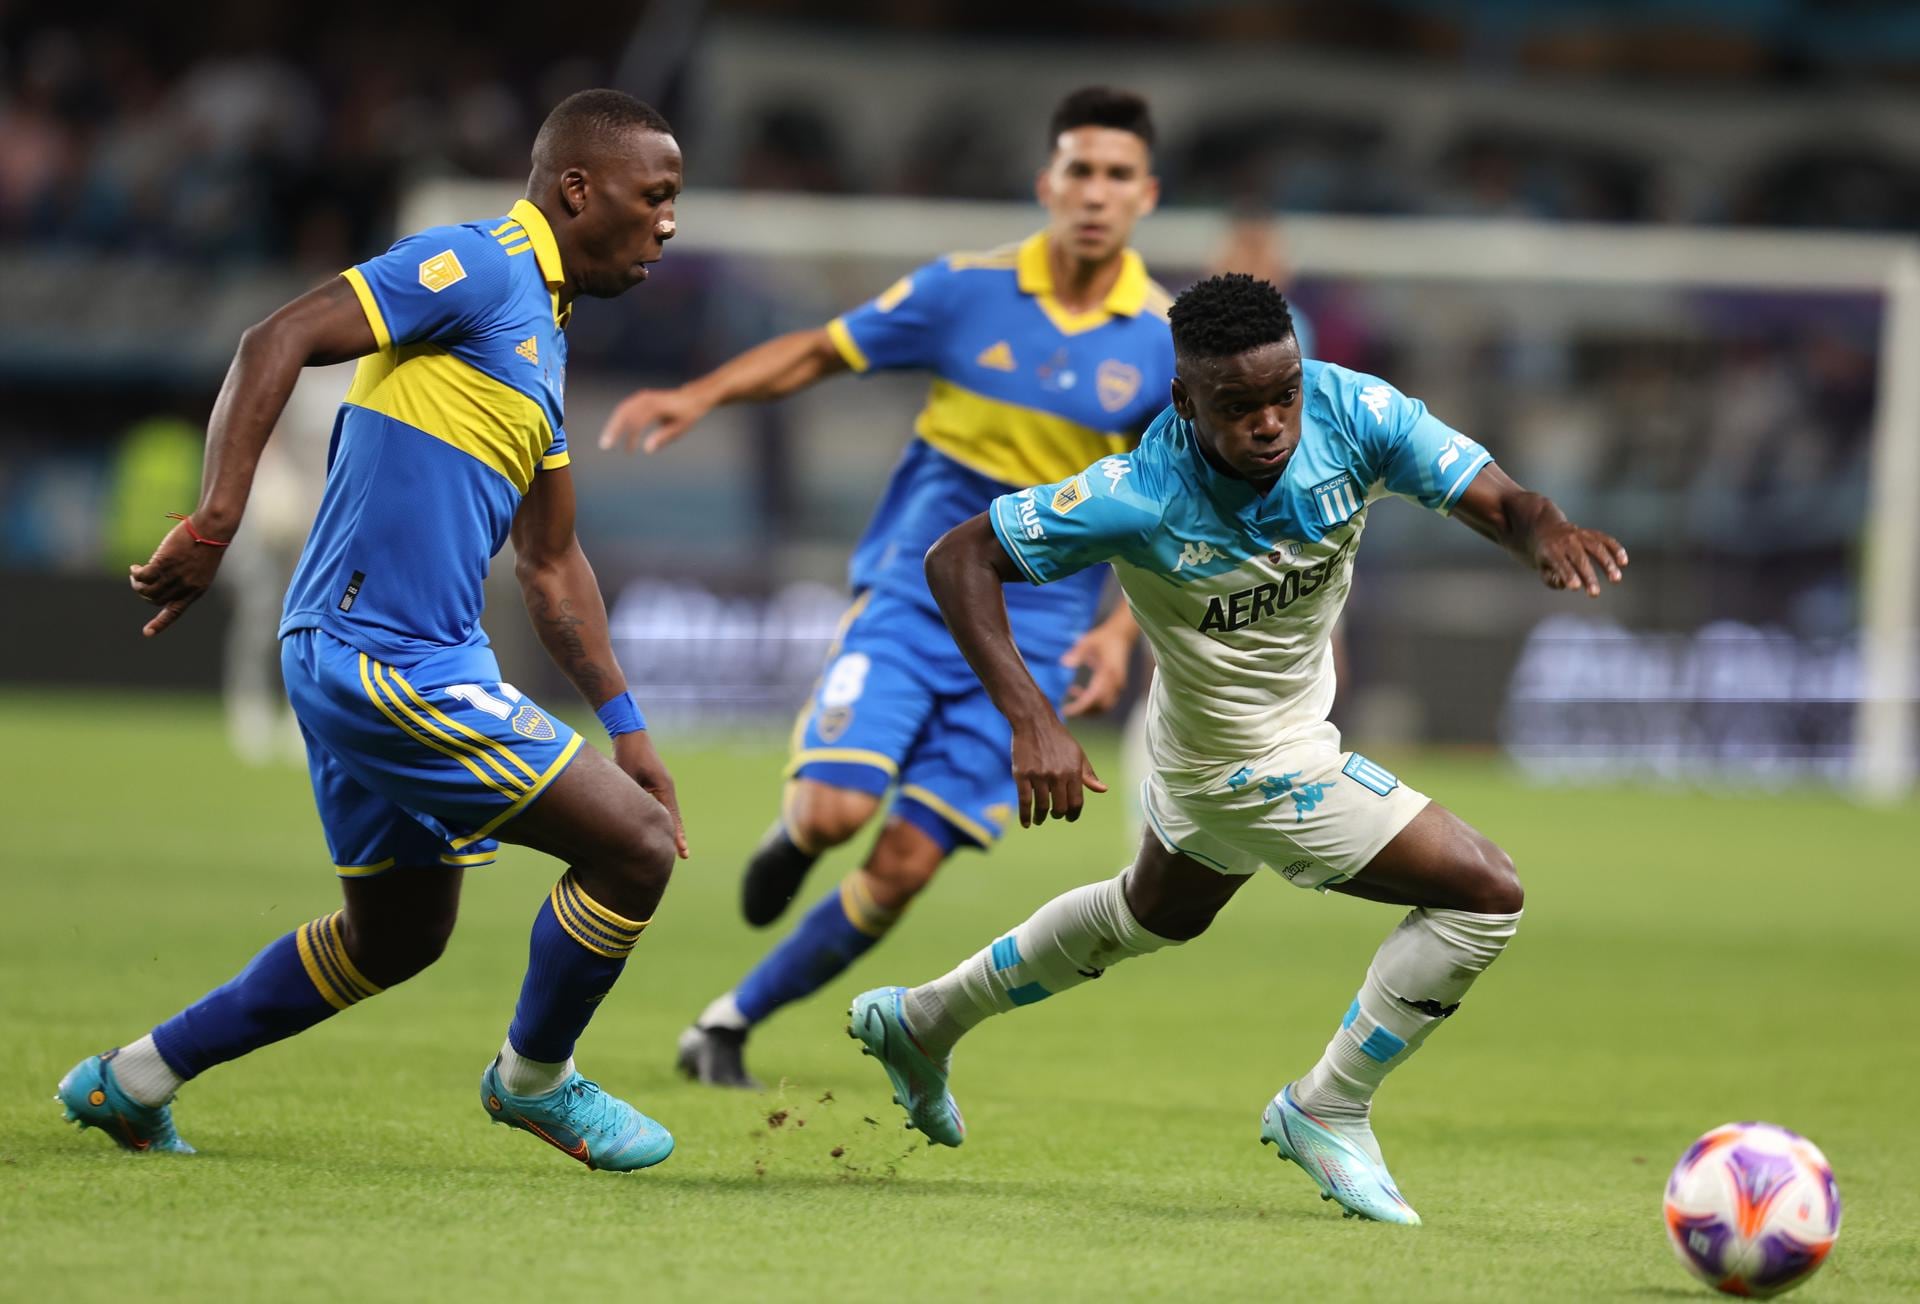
416,767
898,705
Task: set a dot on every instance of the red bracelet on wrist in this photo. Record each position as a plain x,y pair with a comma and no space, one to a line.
194,534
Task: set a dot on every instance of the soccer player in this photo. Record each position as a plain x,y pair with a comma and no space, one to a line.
422,757
1233,530
1044,355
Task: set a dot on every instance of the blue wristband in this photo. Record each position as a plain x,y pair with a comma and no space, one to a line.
621,715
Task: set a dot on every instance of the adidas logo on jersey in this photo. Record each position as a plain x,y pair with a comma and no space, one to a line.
997,358
529,348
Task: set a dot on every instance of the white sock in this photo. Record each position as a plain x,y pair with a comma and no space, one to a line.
143,1075
1417,979
526,1077
722,1012
1069,941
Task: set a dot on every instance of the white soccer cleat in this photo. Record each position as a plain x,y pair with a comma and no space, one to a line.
1346,1168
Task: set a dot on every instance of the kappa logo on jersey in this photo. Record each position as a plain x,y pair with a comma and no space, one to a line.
442,270
1337,499
1243,607
1071,495
997,358
1115,469
1197,554
529,348
1029,515
1377,398
1451,453
1116,383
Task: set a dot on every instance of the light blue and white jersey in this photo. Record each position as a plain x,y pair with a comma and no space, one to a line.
1238,591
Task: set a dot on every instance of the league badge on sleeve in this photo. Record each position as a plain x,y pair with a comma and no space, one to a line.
442,270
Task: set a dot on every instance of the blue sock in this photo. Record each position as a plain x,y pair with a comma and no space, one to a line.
836,932
577,952
297,981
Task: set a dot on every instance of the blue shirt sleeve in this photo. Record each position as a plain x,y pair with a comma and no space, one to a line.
1055,530
901,327
1413,453
441,285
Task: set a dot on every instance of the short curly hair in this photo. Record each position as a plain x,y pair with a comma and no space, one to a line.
585,121
1225,315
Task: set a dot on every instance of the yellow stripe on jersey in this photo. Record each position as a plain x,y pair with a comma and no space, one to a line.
473,861
520,248
554,461
1130,296
540,786
1008,442
382,337
843,341
436,393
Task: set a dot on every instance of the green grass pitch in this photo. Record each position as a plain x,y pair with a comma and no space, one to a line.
1687,959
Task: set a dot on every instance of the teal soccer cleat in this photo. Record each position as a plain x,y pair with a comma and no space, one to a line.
919,1085
94,1099
1343,1169
581,1121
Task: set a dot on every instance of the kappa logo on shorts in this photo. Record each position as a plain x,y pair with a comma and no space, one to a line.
528,722
1296,869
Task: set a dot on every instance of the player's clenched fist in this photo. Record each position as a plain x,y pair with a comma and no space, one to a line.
667,413
1049,772
180,570
1573,557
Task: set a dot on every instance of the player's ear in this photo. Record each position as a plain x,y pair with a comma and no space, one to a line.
1150,195
1182,400
1043,186
573,191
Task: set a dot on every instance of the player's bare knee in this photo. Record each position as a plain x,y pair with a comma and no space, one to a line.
645,858
1492,886
392,951
895,881
820,818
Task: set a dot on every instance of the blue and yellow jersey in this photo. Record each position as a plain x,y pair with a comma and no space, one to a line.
440,437
1023,391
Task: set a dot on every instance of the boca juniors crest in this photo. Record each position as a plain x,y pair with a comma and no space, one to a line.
1116,383
529,723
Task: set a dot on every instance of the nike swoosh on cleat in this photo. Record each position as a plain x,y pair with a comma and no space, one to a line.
578,1151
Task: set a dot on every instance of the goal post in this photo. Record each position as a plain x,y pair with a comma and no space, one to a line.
1413,251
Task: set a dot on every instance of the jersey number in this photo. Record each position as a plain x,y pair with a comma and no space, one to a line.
480,699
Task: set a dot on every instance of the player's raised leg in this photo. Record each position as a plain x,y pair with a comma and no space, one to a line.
1466,903
393,925
815,818
1164,899
619,846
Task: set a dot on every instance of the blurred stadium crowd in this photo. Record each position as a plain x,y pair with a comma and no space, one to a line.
167,175
270,140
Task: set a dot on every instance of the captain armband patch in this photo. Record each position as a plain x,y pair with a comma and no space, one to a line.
442,270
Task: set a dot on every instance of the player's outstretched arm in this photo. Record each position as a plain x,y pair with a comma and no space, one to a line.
321,327
966,570
564,603
781,366
1529,526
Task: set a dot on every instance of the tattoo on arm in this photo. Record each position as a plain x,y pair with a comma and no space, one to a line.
565,632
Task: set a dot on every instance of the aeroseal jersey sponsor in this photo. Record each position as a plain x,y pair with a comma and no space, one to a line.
1238,591
439,438
1022,391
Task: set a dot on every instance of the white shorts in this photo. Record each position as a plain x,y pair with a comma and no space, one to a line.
1312,813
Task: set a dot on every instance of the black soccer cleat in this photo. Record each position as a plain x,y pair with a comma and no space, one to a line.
716,1057
773,878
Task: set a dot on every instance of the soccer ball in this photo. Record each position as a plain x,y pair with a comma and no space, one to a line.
1752,1209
